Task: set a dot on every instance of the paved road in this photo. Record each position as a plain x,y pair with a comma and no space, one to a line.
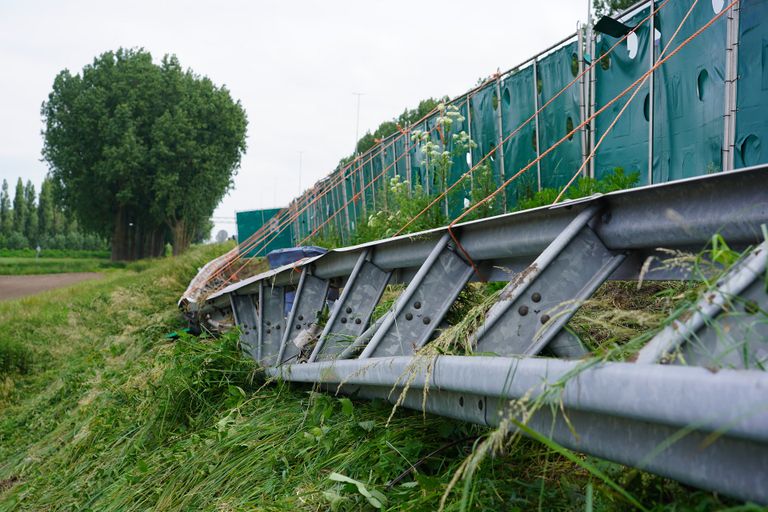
13,287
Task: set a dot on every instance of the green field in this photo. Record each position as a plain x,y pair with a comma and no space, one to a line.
99,411
27,266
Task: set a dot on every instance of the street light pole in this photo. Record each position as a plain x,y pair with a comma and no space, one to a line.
357,123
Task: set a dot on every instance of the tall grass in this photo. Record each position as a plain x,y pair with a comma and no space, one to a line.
113,416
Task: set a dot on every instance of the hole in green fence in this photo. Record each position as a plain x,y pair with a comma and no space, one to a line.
702,84
605,62
632,45
647,108
534,145
506,97
717,5
750,150
495,101
569,127
574,64
539,85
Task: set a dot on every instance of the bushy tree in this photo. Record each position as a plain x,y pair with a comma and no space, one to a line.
610,7
139,150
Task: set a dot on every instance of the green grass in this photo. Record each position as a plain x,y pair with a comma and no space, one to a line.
28,266
98,411
53,253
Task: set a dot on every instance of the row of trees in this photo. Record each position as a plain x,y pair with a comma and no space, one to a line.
28,221
141,153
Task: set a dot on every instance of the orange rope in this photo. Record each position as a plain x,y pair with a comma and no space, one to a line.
601,110
623,109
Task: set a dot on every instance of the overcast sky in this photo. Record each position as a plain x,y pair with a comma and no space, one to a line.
294,65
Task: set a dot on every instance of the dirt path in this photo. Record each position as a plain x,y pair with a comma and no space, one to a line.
13,287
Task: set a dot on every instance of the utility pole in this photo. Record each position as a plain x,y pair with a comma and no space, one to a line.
357,123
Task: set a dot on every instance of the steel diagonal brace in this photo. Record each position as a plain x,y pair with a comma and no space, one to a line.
421,307
728,326
303,319
352,312
535,306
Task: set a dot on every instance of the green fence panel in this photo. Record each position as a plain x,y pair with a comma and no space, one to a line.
251,221
485,128
752,85
398,151
690,87
377,179
688,111
518,105
626,145
555,72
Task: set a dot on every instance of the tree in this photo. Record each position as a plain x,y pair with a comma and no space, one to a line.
6,214
45,209
140,151
19,208
610,7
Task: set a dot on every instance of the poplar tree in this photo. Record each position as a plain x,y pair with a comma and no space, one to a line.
19,208
6,215
31,221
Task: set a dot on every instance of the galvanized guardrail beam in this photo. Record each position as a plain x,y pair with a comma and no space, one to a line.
682,214
707,426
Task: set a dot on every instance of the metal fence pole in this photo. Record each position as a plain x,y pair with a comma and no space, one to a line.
731,77
582,95
469,150
384,175
536,122
500,138
407,147
651,63
592,101
344,195
361,172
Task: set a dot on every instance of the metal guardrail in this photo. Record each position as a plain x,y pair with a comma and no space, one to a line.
693,405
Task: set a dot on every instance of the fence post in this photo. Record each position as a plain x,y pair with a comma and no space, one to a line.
500,138
592,96
651,89
583,94
731,77
536,121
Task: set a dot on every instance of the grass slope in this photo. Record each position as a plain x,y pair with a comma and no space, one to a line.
98,411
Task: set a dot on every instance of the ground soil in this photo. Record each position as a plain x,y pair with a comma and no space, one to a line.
13,287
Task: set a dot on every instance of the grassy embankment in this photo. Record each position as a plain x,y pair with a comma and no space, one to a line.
98,411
